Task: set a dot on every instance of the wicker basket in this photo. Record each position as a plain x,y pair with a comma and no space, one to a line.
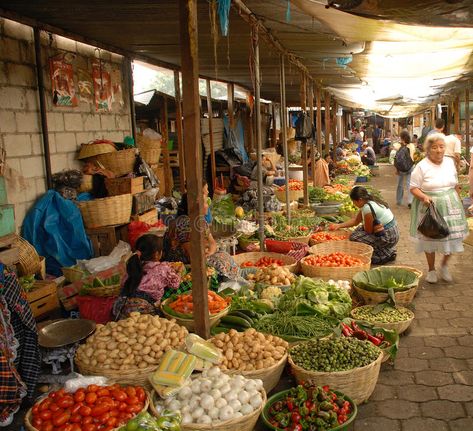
87,183
133,376
92,150
352,248
332,273
399,327
151,155
146,143
72,274
339,231
119,162
103,291
289,262
247,244
302,239
106,211
189,323
29,262
270,376
358,383
30,427
294,195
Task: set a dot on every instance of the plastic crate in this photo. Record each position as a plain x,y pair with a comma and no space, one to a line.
96,308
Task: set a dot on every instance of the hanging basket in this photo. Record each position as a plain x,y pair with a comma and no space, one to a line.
29,261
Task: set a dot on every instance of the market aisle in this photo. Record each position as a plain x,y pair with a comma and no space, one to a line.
430,386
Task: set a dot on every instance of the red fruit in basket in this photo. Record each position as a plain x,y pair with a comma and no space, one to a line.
47,426
54,407
89,427
91,398
92,388
119,395
61,419
79,396
140,393
99,410
103,392
65,402
37,422
85,411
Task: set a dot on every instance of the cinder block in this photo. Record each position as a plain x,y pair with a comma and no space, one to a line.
14,164
10,49
17,145
85,137
37,144
20,74
66,142
91,121
58,162
32,100
65,44
7,122
85,50
3,73
20,212
30,191
73,122
116,58
17,30
32,167
12,98
27,52
72,161
123,122
115,136
108,122
55,122
28,122
41,186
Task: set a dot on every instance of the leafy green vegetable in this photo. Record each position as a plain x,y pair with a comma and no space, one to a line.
384,278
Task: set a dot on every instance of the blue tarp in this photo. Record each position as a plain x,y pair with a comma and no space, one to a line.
235,138
55,228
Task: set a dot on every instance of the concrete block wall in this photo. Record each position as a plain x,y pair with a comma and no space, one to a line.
20,122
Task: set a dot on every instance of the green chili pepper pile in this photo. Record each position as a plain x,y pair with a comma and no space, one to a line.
382,315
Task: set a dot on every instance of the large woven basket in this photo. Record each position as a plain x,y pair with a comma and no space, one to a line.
133,376
399,327
94,149
352,248
103,291
344,232
289,262
402,298
270,376
294,195
119,162
29,413
358,383
151,155
72,274
146,143
303,239
189,323
332,273
29,262
106,211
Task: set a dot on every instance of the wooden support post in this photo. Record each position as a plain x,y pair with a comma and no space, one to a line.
282,90
259,144
273,130
449,128
432,116
165,148
231,105
193,151
327,122
180,140
305,162
318,124
312,122
457,115
131,99
334,127
213,167
467,122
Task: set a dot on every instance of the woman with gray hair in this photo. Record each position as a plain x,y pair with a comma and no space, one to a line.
434,180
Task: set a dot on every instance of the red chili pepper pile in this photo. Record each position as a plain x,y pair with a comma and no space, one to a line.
355,331
96,408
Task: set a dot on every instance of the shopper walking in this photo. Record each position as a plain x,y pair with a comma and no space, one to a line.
404,163
434,180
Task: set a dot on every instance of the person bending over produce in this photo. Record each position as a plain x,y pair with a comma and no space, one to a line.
434,180
379,228
177,241
146,279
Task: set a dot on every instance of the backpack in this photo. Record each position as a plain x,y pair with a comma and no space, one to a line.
402,160
303,126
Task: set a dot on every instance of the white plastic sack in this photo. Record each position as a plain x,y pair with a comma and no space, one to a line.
102,263
82,382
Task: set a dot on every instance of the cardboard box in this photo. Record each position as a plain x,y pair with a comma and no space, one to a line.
43,297
123,186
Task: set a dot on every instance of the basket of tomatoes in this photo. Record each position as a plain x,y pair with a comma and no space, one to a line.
325,236
296,191
265,259
337,265
94,408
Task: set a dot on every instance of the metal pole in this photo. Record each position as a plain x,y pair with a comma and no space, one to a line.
42,106
282,89
129,67
259,145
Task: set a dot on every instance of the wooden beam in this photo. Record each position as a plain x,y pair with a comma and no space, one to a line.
327,122
305,162
282,90
259,144
231,105
213,167
432,116
457,115
165,148
312,146
467,122
180,139
318,124
131,100
334,128
193,151
273,129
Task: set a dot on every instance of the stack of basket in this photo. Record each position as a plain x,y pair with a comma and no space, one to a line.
150,149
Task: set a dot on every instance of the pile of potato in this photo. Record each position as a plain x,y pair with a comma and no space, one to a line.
273,275
249,350
137,342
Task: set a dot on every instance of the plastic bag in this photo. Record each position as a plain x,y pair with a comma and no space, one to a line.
83,381
433,224
102,263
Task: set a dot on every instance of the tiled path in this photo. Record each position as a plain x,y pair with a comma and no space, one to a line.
430,385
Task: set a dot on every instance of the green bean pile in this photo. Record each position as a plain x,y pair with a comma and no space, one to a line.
385,315
285,324
337,354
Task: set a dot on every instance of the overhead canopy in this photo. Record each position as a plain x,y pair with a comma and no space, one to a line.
393,68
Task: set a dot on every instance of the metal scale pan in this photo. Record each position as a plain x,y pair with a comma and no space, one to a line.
65,332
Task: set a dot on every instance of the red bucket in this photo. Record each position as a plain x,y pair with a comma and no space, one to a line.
98,309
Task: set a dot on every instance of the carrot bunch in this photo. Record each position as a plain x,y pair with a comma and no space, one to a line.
184,303
333,260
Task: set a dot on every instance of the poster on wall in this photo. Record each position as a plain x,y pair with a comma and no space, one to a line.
62,80
116,75
85,85
102,87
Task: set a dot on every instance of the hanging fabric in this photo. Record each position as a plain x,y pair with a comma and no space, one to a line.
223,15
288,11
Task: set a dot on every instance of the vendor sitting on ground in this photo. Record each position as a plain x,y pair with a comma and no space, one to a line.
146,279
322,175
369,157
374,213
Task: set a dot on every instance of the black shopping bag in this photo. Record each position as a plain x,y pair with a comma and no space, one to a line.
433,225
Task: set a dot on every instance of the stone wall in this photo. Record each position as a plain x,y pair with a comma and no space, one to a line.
20,123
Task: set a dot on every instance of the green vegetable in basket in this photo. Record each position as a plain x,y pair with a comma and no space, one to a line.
385,278
382,314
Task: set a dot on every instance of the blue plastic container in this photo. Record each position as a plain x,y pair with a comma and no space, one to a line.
361,179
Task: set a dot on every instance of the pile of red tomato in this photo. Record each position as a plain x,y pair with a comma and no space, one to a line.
333,260
95,408
262,262
294,185
328,236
